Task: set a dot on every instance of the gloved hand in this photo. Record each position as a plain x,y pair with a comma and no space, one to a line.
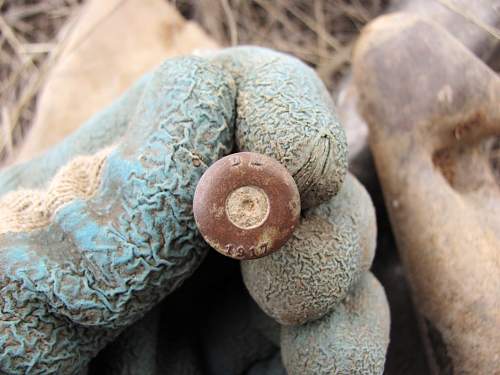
95,232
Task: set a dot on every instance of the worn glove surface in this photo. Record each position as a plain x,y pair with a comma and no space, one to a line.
98,230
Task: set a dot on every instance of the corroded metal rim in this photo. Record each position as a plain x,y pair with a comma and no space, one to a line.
252,170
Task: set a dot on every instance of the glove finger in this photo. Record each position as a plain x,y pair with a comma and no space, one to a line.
317,267
352,339
284,111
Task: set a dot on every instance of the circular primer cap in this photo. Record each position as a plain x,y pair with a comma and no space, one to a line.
246,205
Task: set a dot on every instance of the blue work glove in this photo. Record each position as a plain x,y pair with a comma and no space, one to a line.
99,229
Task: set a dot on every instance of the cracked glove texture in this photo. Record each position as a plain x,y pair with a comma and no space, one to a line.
98,230
102,259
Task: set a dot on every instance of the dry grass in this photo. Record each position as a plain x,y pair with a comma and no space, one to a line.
29,41
320,32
